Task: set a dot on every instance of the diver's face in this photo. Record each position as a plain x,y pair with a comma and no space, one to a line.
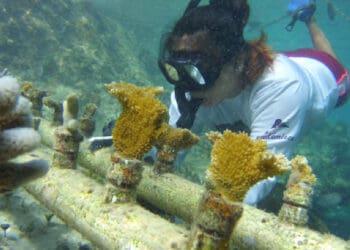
228,85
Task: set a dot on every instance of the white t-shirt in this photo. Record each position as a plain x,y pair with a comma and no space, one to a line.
293,95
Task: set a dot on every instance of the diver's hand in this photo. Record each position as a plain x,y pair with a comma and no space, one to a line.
302,10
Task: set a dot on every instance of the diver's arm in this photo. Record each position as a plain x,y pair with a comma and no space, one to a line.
318,38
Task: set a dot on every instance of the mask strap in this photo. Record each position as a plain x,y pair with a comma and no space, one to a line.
191,5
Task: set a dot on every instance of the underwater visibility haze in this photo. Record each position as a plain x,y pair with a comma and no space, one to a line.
69,50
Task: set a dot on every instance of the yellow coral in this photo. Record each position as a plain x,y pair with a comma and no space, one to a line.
135,130
176,139
143,122
237,163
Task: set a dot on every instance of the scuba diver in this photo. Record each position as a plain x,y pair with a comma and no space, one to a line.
221,79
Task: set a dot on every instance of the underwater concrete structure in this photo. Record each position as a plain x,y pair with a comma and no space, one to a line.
80,205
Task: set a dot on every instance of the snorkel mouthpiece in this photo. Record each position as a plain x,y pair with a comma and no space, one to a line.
187,106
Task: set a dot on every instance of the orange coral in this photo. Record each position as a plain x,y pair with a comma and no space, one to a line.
298,195
301,172
143,122
237,163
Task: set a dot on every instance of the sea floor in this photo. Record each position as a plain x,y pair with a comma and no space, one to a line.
33,227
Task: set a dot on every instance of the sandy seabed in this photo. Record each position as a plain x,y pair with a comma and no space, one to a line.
33,227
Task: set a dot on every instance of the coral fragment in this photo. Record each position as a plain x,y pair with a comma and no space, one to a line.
143,122
238,162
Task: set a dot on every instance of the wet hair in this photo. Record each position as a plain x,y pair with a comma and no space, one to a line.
217,30
258,56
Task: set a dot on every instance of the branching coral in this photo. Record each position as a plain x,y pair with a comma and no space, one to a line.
35,96
237,163
300,183
301,172
297,196
143,122
16,137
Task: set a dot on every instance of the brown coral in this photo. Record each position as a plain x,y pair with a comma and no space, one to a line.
297,196
237,163
143,122
176,139
300,183
301,172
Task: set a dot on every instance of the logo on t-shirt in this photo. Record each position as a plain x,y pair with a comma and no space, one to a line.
279,124
272,134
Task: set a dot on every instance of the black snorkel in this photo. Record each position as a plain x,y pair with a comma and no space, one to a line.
187,106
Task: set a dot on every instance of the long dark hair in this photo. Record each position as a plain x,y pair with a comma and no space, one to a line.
222,22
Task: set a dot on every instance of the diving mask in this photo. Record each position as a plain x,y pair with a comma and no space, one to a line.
189,70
